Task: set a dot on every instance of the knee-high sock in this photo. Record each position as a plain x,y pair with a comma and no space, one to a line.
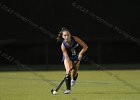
68,81
75,77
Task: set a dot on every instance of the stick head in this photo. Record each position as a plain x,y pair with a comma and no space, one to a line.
52,91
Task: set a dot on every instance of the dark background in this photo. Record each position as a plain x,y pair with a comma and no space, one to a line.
30,46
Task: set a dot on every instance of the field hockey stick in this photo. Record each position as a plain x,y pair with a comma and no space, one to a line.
54,91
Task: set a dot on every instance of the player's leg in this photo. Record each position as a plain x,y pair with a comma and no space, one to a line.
74,74
68,76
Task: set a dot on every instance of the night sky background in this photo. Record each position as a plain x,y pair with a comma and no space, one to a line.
29,45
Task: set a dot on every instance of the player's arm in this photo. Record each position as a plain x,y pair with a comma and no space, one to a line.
65,54
83,44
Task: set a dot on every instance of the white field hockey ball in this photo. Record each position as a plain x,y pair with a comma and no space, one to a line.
54,92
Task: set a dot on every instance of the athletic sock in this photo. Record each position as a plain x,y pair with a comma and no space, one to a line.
75,77
68,81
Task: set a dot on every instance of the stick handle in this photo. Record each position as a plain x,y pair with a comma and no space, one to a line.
73,66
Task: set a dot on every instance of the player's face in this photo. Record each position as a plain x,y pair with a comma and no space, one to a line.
66,35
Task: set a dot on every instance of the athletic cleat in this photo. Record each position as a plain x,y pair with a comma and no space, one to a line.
67,91
73,82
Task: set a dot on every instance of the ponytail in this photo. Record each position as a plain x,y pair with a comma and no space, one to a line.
59,38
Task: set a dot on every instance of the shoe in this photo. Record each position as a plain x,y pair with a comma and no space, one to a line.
67,91
73,82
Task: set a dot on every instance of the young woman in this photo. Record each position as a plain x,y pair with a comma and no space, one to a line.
71,55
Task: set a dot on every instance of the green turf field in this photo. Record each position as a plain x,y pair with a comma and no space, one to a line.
91,85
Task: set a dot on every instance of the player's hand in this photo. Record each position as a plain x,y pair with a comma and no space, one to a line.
80,57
